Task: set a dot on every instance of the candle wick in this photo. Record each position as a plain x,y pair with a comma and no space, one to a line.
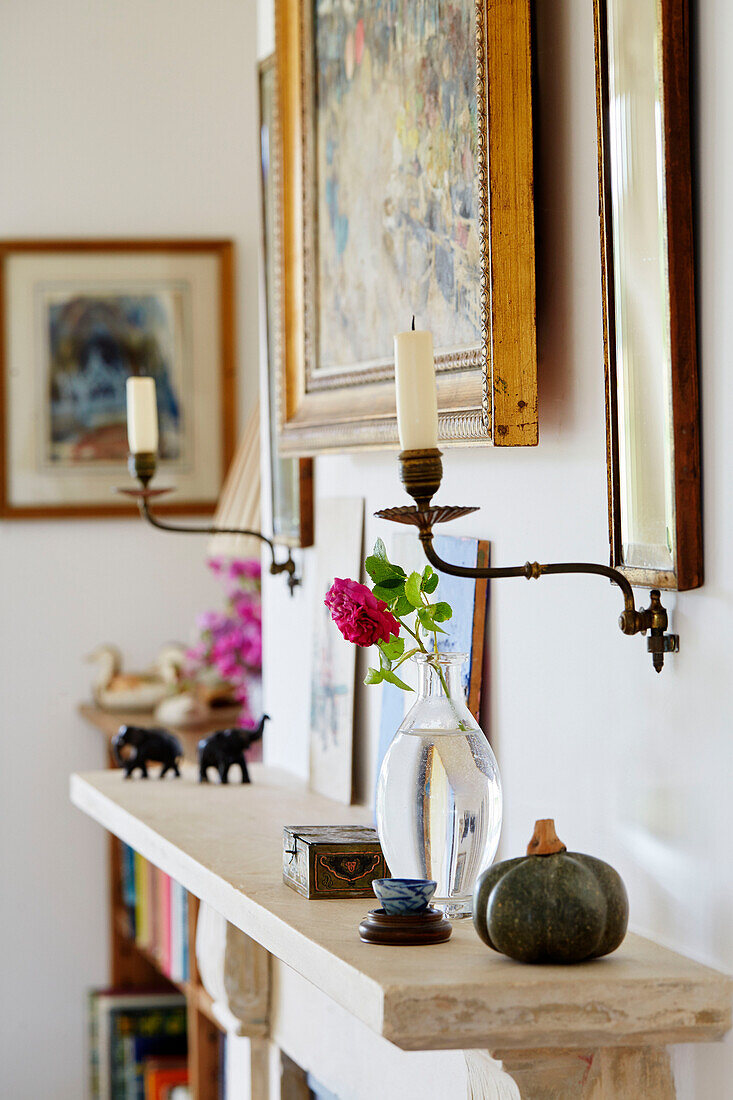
413,322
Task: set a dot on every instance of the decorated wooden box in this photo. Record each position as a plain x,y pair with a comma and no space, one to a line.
332,861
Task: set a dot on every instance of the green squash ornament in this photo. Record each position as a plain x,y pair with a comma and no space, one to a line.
551,905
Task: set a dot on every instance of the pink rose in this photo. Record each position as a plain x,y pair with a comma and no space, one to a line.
358,614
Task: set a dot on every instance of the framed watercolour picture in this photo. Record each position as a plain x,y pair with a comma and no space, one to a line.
407,190
77,318
291,479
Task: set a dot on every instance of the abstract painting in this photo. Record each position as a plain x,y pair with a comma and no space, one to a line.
395,137
407,190
339,531
77,319
92,344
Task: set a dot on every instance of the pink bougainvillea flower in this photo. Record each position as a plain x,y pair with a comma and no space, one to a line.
359,615
249,568
211,620
229,642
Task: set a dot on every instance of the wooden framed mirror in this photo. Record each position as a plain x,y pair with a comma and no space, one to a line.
647,260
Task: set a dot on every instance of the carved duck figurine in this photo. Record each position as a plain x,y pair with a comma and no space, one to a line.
116,690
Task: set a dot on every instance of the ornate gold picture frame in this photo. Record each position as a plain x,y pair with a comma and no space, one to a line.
476,253
291,479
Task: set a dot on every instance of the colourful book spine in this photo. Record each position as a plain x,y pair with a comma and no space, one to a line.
175,946
142,926
164,897
153,908
185,971
128,883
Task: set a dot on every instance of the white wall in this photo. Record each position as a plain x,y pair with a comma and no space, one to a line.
635,767
125,119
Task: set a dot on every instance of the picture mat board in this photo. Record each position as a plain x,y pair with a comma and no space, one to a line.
339,538
190,288
467,627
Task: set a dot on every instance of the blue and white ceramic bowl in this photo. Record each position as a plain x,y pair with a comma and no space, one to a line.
404,895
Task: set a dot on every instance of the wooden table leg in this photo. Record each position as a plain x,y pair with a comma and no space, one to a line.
203,1056
605,1073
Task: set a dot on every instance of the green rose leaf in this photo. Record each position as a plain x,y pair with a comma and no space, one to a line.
402,607
380,551
374,676
394,649
429,584
427,622
412,589
393,584
380,568
392,679
442,612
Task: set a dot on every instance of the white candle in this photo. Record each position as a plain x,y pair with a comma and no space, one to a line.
417,398
142,416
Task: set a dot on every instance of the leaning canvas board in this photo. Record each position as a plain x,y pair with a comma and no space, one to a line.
466,629
339,535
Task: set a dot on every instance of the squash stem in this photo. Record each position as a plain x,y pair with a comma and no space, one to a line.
545,841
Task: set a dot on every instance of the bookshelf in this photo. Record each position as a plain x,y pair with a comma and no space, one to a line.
133,966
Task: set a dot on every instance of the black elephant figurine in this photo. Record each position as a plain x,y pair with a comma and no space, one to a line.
156,745
226,747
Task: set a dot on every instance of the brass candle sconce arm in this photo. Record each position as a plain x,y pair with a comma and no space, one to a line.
421,474
142,467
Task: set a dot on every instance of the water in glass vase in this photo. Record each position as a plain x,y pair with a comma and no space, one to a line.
439,793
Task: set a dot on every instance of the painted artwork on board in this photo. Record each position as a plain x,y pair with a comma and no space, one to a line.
395,151
93,342
339,532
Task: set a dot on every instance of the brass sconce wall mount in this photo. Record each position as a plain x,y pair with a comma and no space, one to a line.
421,473
142,466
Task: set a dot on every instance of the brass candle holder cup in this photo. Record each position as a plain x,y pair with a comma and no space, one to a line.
421,472
142,466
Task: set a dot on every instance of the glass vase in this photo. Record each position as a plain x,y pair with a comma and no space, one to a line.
439,792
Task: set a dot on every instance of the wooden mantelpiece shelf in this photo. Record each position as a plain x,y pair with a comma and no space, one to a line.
225,846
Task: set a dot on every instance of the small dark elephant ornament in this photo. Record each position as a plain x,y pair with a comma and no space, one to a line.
226,747
150,745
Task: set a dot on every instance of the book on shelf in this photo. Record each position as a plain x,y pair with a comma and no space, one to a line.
156,910
127,1030
127,868
142,906
163,1075
178,933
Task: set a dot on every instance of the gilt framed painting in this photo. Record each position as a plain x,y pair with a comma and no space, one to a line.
291,479
77,318
406,134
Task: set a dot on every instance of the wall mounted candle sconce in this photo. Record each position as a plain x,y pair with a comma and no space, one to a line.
142,431
421,473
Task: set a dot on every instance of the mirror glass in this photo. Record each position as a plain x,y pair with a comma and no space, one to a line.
640,278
